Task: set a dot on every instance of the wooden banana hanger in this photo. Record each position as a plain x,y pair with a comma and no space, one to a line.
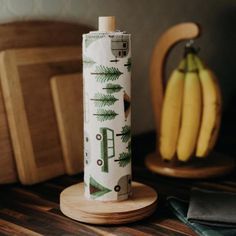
215,164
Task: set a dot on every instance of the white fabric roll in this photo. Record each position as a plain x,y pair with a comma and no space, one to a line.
107,115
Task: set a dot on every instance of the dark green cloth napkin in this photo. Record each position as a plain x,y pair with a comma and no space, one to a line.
180,209
212,208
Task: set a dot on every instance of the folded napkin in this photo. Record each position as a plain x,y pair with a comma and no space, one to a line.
212,208
180,209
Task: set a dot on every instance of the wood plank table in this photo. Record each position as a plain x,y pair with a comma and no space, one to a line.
35,210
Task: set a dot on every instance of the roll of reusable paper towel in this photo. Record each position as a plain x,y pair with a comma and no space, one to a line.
107,118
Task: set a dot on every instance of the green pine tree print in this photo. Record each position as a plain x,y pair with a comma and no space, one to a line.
105,74
113,88
91,39
87,62
125,133
103,115
128,64
96,189
102,100
124,159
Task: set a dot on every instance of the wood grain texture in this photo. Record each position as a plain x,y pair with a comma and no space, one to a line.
163,46
67,91
25,78
215,165
22,35
8,173
40,33
140,205
9,228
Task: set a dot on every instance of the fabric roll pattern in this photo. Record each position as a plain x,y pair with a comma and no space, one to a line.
107,115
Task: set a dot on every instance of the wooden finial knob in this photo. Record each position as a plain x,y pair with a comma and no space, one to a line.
106,23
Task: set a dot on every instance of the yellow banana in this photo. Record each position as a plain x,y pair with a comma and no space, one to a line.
211,111
191,112
171,112
218,119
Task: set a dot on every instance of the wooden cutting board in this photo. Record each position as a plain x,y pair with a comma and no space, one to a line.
67,91
29,34
25,78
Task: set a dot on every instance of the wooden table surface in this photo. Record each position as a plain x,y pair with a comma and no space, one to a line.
35,210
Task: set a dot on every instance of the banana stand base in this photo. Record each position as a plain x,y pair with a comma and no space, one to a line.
141,204
214,165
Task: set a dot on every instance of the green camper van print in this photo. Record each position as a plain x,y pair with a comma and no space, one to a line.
120,46
123,186
107,139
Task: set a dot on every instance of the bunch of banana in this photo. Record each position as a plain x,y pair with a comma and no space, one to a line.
191,111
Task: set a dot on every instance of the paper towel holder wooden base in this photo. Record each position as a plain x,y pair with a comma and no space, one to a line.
140,205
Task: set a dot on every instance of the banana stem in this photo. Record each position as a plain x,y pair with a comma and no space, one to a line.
191,65
182,65
199,63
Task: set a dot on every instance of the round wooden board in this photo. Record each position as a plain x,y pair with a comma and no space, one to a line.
214,165
141,204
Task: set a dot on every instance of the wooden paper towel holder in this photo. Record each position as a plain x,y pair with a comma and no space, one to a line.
212,166
141,204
